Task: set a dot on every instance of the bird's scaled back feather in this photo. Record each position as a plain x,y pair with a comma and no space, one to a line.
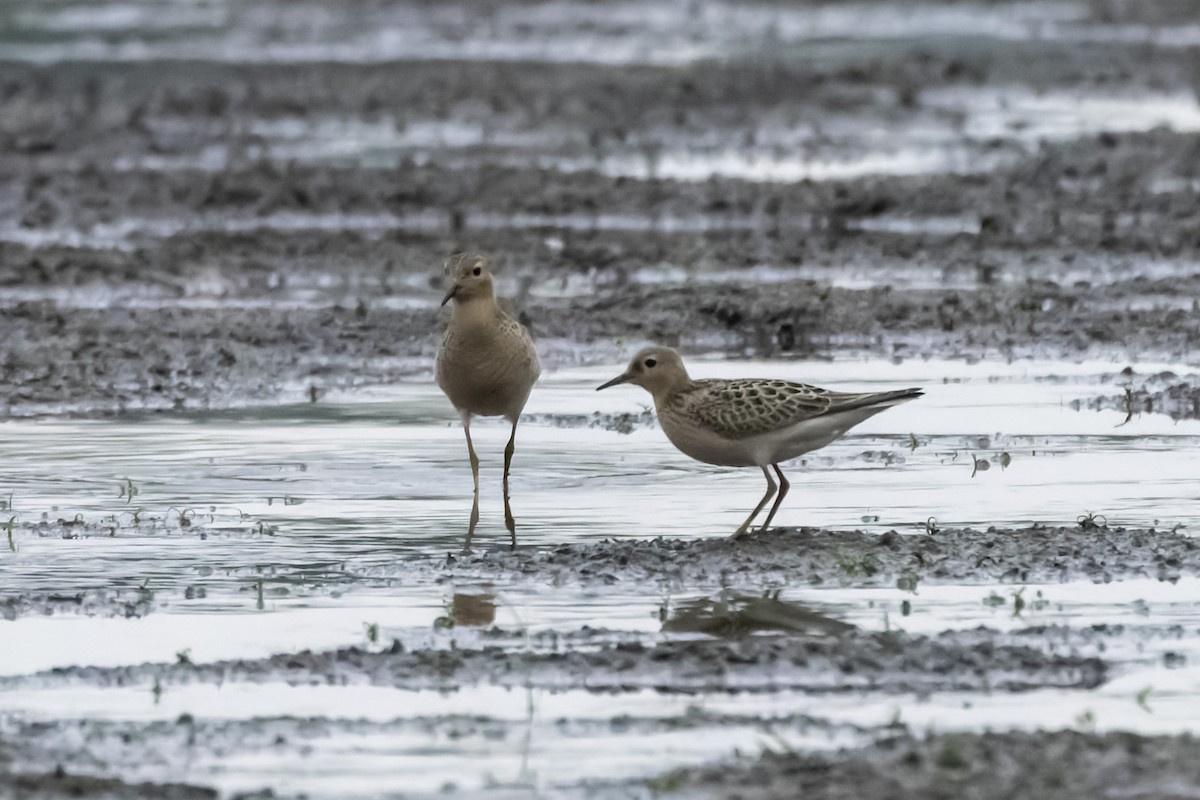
736,409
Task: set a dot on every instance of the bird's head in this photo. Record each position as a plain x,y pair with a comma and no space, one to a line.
658,370
469,277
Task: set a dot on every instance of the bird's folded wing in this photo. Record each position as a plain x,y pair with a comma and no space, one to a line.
736,409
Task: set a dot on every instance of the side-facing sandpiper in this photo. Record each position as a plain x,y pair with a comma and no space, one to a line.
748,422
487,365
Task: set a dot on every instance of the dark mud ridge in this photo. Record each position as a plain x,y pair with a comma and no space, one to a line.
1163,393
1039,554
59,784
893,662
126,603
167,244
1063,765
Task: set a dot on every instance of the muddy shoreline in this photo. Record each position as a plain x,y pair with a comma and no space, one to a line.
271,274
1043,554
237,208
894,663
737,646
1066,765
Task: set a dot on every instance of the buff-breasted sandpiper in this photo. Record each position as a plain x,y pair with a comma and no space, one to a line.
487,364
748,422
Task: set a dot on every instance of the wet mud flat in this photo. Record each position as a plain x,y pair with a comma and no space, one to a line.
279,220
722,643
231,207
1085,551
1067,765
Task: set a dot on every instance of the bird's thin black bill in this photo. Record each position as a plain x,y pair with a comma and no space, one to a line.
614,382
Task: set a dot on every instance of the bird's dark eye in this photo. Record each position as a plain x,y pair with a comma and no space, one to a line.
649,362
477,271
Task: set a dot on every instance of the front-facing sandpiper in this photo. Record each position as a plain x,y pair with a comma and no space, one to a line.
748,422
487,365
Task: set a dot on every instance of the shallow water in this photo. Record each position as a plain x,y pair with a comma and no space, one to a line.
302,519
256,532
949,130
665,32
390,463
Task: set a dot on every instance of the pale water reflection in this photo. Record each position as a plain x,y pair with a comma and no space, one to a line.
303,520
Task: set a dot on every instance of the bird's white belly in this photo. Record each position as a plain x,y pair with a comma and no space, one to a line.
704,445
761,450
804,437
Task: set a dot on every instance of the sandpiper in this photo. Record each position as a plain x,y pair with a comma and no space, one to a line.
487,364
748,422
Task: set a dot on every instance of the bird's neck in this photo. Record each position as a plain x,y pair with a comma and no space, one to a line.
666,394
474,311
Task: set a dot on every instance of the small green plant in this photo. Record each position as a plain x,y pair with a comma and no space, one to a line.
951,755
1018,602
668,782
129,490
184,657
1039,601
157,690
446,621
1092,522
851,567
372,629
1086,722
913,443
1142,700
994,600
1128,401
8,528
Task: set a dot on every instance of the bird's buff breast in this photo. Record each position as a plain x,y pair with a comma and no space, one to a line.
704,444
482,376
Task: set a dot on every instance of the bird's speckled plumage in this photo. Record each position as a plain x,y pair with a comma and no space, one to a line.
487,364
749,422
748,407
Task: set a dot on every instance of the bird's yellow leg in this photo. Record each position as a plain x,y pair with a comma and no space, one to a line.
466,418
770,493
509,449
783,490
